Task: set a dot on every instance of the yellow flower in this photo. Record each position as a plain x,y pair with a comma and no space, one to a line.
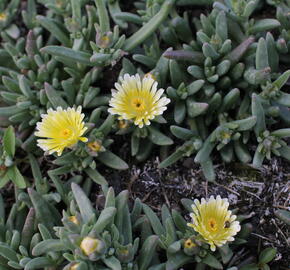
138,100
213,221
61,128
89,245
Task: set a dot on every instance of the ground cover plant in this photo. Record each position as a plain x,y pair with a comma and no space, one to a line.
144,135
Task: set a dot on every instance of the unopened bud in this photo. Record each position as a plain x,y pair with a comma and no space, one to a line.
74,220
89,245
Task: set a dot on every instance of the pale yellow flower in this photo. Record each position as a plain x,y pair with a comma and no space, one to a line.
213,221
61,128
137,100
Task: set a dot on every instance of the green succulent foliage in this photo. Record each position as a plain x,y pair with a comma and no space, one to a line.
24,227
214,66
8,10
8,164
240,11
194,2
111,224
108,46
277,3
266,256
282,43
227,74
283,215
226,138
144,139
24,86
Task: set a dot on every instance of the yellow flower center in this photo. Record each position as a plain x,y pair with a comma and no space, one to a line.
212,224
138,104
74,220
95,146
3,16
65,133
189,243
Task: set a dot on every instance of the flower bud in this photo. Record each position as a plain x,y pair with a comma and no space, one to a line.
3,16
190,247
90,245
3,169
95,146
125,254
74,220
122,124
74,266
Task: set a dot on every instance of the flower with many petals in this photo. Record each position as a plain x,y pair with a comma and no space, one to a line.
137,99
61,128
213,221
